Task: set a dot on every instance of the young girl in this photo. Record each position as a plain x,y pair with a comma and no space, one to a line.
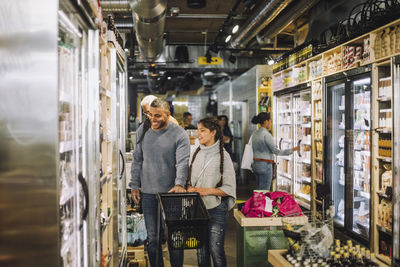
211,174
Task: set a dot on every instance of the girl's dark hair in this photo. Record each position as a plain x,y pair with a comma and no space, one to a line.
261,117
212,125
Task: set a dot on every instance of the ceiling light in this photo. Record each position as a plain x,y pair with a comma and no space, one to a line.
271,62
130,77
169,78
228,38
235,29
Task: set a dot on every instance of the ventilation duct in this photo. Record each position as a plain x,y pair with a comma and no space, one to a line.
115,6
149,25
265,16
286,19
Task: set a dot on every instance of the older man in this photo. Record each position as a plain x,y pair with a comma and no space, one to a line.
160,165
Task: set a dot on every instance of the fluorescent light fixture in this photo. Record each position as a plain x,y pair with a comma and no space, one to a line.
362,81
169,78
180,103
228,38
271,62
235,29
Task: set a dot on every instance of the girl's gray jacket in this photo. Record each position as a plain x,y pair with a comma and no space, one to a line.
206,173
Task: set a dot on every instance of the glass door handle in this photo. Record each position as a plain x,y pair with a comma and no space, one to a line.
123,164
298,151
280,143
85,189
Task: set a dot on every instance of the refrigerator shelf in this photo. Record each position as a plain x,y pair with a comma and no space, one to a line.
285,157
305,196
362,193
285,111
284,174
303,204
384,229
287,140
306,125
285,124
66,146
384,130
384,99
342,108
66,195
362,106
386,159
306,179
305,161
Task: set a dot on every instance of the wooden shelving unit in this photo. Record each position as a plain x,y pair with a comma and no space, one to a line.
106,151
382,160
317,146
377,50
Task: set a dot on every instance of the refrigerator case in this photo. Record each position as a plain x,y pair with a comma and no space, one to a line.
292,128
302,137
396,160
348,145
284,137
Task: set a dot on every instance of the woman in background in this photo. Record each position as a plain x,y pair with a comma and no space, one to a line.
227,134
264,149
211,174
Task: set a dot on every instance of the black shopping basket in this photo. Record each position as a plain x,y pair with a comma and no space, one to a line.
186,220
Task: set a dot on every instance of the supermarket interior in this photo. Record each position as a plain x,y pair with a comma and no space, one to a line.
199,133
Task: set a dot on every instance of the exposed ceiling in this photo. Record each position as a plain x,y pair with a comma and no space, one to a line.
283,21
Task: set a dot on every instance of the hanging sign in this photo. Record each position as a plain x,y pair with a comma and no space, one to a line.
214,61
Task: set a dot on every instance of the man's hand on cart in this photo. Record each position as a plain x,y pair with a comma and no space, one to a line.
135,194
177,189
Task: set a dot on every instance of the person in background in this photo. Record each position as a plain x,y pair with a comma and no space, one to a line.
264,150
187,121
227,134
160,165
212,175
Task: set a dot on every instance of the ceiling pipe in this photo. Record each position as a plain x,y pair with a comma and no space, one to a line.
149,18
115,6
287,18
265,16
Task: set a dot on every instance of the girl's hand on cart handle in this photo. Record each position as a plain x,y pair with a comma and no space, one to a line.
135,194
177,189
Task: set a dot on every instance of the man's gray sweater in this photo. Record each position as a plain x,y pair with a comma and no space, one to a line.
161,160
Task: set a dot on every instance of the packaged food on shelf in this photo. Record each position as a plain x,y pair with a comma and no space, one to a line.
385,118
385,152
386,177
315,68
385,214
385,87
366,50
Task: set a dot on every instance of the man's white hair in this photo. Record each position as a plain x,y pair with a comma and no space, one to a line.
147,100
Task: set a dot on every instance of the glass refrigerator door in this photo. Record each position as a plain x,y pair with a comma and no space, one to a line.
302,158
284,138
396,161
361,155
335,147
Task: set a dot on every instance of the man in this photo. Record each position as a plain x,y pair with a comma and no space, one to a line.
187,121
145,104
160,165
